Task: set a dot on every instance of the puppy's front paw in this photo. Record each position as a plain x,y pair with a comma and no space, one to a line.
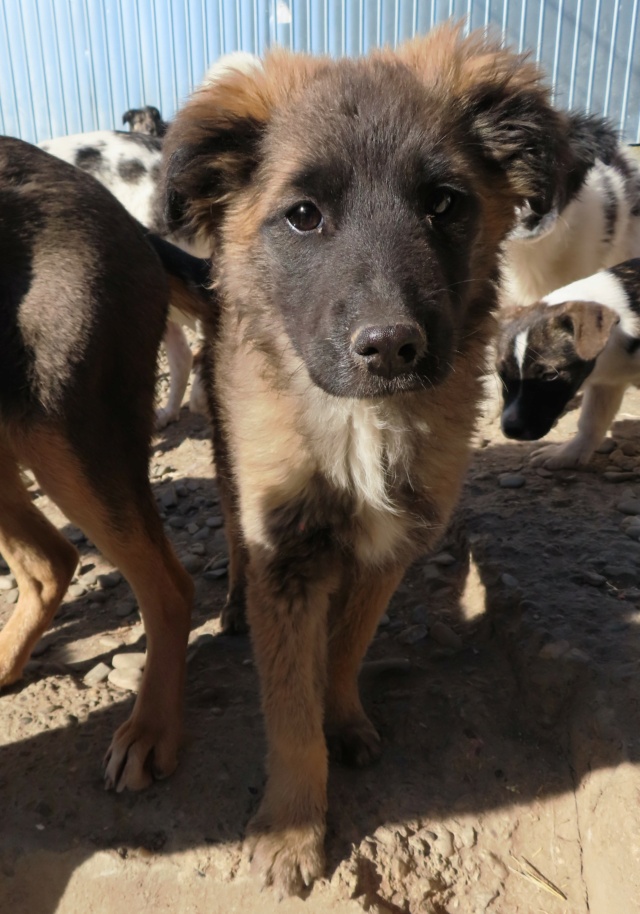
560,456
138,754
233,618
354,743
165,416
288,858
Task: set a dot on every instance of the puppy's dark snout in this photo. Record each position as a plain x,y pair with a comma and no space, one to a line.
389,351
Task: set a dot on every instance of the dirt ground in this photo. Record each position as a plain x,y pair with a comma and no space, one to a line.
504,681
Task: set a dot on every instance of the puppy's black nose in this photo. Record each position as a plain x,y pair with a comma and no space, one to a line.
513,426
389,351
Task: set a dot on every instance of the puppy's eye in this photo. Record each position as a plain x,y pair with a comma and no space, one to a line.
304,217
439,202
550,374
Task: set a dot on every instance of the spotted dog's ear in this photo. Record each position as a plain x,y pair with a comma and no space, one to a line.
591,139
589,324
127,117
213,145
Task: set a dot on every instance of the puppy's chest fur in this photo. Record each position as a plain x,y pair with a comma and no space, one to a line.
372,478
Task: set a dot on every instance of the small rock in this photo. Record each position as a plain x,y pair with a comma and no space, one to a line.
126,679
131,660
445,636
596,580
112,579
75,591
76,536
169,498
192,528
215,573
413,634
192,486
430,572
554,649
125,608
182,491
177,522
89,578
508,580
443,558
419,615
201,535
607,446
198,549
7,582
192,563
629,506
384,621
11,596
511,481
214,521
109,642
613,476
544,472
97,674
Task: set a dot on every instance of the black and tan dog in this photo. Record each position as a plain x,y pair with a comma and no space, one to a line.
356,209
83,305
582,337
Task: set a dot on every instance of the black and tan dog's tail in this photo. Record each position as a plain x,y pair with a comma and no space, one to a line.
189,280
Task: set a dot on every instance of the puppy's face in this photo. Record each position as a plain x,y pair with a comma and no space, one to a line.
358,206
145,120
544,356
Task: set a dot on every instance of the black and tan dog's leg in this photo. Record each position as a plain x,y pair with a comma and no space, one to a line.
134,540
353,621
42,561
288,628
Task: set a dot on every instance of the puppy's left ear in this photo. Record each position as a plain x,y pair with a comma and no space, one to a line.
127,117
590,325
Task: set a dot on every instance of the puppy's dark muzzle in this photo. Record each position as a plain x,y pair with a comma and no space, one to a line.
388,351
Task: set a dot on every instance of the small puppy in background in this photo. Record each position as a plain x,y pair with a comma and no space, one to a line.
585,336
145,120
590,222
354,211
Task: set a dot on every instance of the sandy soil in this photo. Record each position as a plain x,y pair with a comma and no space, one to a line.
504,681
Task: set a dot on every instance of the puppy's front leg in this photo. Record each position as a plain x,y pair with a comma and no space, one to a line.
599,408
353,619
288,620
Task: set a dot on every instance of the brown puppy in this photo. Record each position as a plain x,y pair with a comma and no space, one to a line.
76,406
356,208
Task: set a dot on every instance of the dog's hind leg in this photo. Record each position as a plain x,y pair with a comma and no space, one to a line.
353,621
180,360
119,515
41,559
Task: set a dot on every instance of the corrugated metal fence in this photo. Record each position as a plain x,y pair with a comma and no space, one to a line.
68,66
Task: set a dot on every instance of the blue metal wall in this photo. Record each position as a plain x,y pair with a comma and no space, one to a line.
68,66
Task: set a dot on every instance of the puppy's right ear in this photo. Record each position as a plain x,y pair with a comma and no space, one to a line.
590,325
211,150
214,144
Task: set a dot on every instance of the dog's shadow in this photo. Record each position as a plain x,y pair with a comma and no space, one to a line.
511,713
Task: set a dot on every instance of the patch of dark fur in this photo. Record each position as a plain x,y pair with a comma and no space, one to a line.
610,212
88,158
131,170
306,534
